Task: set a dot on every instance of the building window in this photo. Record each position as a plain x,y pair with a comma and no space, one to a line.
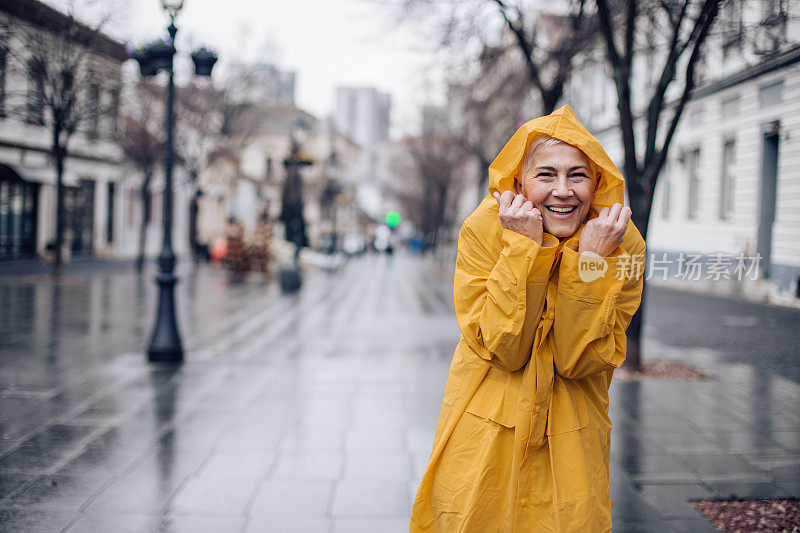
3,69
694,183
113,113
93,117
730,108
728,178
771,94
110,212
35,107
666,193
131,198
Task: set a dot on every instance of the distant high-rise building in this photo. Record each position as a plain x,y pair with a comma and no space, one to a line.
263,84
362,113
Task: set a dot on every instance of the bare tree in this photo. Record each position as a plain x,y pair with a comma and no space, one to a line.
680,29
429,196
549,59
491,109
548,41
200,116
143,148
538,51
66,63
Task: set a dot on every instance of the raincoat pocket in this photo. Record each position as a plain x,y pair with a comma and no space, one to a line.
472,473
495,399
569,436
567,412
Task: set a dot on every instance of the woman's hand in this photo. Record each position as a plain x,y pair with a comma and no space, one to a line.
518,214
602,235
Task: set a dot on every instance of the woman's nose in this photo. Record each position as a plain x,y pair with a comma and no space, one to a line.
562,188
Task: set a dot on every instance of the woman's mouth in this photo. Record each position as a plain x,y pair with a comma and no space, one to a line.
561,212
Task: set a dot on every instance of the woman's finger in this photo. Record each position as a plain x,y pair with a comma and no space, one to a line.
518,201
625,216
527,206
603,213
506,198
615,211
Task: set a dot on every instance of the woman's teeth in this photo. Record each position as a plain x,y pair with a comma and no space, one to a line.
562,210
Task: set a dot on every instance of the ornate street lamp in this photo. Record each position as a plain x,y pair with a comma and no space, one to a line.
330,195
165,344
292,206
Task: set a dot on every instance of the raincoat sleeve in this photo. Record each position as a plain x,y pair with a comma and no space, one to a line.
591,315
498,300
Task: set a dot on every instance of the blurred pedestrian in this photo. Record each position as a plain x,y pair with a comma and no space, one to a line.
237,260
522,442
219,250
260,255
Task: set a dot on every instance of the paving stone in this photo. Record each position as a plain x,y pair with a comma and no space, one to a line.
718,464
207,495
16,520
293,498
680,443
10,483
33,459
747,490
293,524
202,524
308,465
116,522
373,466
55,492
369,498
371,526
671,501
226,464
654,467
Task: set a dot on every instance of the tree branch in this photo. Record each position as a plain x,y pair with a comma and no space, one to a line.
667,75
525,45
708,14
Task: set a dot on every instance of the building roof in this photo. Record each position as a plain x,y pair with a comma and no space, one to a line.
773,62
50,19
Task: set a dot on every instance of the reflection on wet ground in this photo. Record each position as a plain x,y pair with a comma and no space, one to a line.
316,412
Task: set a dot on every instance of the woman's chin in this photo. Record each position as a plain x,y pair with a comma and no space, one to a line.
561,230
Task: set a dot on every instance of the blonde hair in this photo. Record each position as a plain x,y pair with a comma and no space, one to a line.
546,140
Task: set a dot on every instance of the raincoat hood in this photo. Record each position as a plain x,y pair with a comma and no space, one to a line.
564,125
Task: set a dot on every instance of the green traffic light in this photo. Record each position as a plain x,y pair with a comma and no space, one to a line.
392,219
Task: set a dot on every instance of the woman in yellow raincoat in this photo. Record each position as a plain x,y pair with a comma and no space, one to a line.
548,276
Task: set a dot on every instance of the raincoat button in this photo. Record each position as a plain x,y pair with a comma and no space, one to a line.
551,315
537,408
524,502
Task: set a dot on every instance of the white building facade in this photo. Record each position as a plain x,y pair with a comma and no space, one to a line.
730,188
94,165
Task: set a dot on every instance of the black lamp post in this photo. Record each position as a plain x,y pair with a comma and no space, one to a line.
330,198
165,344
292,208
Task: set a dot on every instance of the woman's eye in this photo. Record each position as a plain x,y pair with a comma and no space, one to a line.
577,177
544,176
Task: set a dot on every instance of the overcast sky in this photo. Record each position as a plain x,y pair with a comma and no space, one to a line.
326,42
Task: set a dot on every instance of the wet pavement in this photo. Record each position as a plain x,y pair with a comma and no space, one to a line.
316,412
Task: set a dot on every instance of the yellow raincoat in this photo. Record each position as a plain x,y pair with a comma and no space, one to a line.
522,442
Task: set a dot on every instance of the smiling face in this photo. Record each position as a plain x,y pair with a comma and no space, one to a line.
558,180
